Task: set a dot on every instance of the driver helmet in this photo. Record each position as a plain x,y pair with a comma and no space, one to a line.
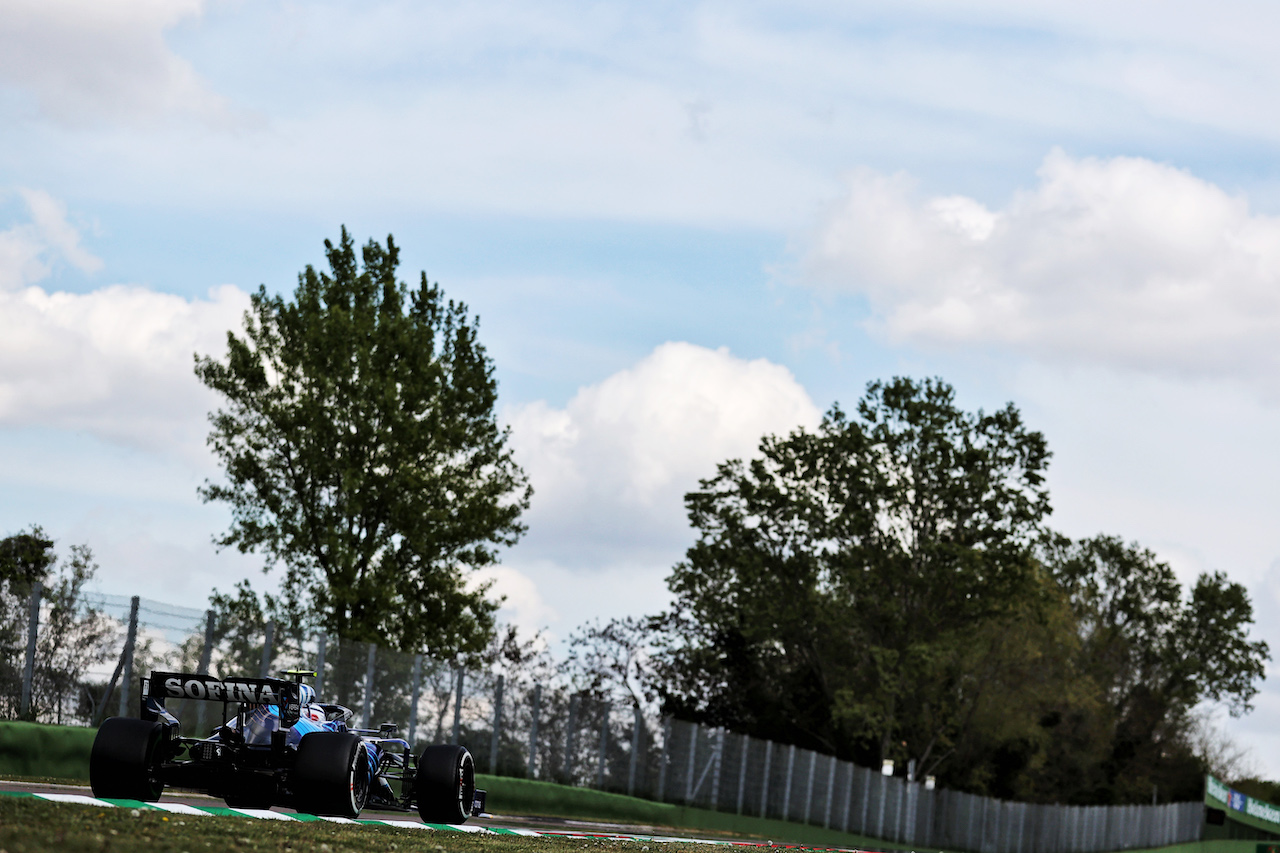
306,694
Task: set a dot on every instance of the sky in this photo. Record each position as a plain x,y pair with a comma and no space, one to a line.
683,226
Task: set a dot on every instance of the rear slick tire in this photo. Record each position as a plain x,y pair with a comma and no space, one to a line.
122,764
445,784
331,775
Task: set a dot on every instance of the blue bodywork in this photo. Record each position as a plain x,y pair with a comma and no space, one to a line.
265,719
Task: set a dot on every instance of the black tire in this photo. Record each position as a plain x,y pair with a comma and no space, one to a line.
331,774
123,762
445,784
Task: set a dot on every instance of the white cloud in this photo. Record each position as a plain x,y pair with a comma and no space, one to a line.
1123,262
84,61
117,361
28,251
611,468
523,604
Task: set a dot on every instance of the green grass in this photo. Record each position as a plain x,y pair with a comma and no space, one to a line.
33,749
61,753
29,825
526,797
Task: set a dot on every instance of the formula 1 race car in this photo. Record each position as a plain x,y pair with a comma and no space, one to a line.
281,747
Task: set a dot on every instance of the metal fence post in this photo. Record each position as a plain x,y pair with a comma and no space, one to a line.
29,667
320,650
415,695
897,817
604,742
868,780
808,794
742,771
912,789
457,709
848,799
264,668
764,778
882,783
786,791
495,742
693,757
718,758
662,761
130,639
206,656
831,790
533,730
367,711
635,751
574,701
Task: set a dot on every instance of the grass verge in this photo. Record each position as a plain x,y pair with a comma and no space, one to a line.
29,825
527,797
33,749
61,753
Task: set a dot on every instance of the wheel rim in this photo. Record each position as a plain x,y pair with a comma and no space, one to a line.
464,805
359,780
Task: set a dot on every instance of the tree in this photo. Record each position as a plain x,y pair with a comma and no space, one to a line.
71,636
884,587
1155,657
853,589
362,453
610,661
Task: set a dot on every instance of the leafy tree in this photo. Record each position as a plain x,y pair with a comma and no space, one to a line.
852,588
1154,657
361,452
884,587
71,637
24,559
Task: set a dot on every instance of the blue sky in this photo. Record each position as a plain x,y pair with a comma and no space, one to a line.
683,226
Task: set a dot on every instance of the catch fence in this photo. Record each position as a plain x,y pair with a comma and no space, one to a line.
533,725
720,770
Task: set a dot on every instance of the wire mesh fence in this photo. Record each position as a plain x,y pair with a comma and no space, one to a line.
519,724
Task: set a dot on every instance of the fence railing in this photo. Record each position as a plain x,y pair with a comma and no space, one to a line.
516,724
716,769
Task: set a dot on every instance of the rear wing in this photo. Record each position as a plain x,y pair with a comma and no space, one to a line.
160,686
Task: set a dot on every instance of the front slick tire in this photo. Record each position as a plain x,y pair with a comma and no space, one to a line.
331,774
122,764
445,784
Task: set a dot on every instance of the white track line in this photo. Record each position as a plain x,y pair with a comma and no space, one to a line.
76,798
265,814
177,808
402,824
